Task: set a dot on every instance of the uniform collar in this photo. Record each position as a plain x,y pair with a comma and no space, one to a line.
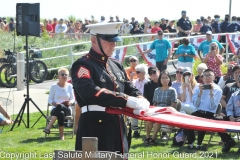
97,56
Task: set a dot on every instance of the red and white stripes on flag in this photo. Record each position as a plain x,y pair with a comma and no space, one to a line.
119,53
149,58
233,41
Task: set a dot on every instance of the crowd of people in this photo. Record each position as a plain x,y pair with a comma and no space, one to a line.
193,92
184,26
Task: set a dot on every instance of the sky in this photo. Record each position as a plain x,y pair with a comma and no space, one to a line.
154,9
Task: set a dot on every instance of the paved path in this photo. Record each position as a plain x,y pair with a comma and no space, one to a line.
37,92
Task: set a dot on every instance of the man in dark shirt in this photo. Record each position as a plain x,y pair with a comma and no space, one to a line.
171,28
234,26
206,27
184,26
163,25
216,25
238,20
84,28
132,22
224,26
230,88
136,29
148,93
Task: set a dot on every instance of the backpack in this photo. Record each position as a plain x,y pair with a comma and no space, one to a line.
179,137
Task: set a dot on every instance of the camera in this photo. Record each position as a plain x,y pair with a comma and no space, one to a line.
207,86
212,48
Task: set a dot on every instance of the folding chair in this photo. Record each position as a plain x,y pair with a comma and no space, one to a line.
170,129
216,116
70,120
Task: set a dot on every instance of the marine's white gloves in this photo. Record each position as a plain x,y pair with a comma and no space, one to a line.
138,103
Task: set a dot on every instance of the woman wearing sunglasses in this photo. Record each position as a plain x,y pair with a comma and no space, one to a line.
189,85
141,71
60,97
177,84
214,60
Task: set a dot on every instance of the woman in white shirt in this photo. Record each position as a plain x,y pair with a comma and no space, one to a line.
60,97
189,85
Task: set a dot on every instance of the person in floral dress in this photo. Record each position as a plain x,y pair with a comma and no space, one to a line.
214,60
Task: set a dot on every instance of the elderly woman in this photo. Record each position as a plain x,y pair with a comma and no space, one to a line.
185,54
200,68
5,119
141,71
60,97
214,60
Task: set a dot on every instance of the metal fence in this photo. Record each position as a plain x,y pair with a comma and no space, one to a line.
72,56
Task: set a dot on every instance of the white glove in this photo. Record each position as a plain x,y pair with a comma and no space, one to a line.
138,103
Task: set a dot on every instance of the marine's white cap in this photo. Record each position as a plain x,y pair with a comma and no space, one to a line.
106,31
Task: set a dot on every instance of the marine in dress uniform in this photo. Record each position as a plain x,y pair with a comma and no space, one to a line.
100,82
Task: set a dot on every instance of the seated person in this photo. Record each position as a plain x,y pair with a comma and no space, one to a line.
189,86
60,97
130,71
5,119
164,96
149,89
233,114
178,82
228,78
200,68
230,88
141,71
206,102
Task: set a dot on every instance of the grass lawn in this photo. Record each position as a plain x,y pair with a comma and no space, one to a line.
32,142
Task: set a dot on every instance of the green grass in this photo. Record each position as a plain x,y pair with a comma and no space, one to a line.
25,141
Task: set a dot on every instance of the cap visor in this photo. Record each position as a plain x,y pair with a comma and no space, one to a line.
114,39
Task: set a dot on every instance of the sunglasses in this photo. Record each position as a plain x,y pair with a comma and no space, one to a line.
178,72
187,74
151,73
160,34
64,75
133,60
138,72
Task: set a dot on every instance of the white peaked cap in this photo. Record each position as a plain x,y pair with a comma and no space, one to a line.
105,28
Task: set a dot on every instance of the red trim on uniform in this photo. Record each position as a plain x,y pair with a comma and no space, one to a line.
106,91
83,73
99,92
